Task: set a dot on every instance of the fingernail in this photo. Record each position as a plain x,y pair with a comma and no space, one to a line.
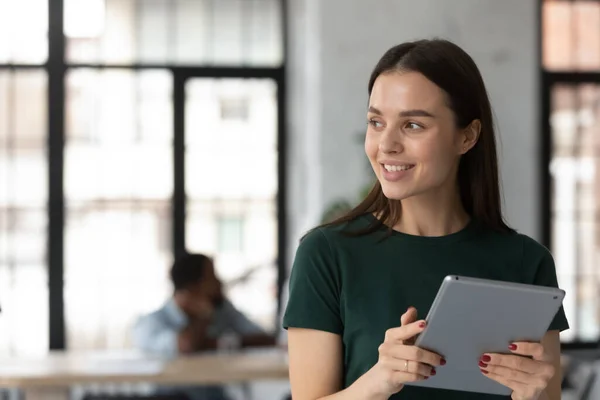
433,372
482,364
426,377
486,358
484,371
422,324
512,347
443,361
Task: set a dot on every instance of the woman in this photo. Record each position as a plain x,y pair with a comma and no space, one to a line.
358,282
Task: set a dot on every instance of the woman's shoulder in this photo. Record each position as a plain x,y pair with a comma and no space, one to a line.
525,247
534,253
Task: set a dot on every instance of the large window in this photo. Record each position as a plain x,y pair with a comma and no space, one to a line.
170,129
571,96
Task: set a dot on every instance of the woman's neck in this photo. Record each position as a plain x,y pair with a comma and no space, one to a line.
432,214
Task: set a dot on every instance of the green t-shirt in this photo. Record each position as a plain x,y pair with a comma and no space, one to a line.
358,287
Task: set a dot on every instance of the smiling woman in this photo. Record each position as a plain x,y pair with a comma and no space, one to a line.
418,106
357,282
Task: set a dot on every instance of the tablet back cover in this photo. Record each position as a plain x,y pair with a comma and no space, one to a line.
472,316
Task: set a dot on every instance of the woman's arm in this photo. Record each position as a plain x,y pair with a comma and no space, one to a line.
551,343
316,365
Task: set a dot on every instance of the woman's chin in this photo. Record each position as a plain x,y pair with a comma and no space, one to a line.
400,188
395,193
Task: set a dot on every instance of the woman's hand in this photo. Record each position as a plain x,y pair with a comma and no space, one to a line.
527,377
399,360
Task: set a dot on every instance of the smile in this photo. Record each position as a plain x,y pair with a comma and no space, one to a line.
394,168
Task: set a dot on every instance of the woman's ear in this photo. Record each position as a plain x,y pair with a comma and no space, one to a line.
470,136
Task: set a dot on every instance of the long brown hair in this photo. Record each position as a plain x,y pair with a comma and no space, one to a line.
455,72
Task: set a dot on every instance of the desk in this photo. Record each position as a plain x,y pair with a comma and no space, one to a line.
50,377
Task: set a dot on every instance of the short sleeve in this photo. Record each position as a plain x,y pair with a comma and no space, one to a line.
541,259
314,287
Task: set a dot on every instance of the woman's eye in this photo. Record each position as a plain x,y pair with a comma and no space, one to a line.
375,124
413,126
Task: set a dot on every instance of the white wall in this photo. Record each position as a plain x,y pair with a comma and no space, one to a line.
334,44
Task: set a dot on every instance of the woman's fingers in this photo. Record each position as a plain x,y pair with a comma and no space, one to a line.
511,374
509,383
404,332
408,366
408,317
403,377
412,353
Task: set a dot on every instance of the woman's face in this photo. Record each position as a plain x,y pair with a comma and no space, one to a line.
412,141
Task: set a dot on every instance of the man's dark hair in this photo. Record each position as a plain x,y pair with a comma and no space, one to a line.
187,270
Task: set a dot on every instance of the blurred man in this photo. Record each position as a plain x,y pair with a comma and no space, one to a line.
195,318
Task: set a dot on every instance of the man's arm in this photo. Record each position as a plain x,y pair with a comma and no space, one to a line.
251,334
153,335
193,337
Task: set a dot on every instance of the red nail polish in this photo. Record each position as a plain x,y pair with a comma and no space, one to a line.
484,371
426,377
482,364
512,347
421,324
443,361
486,358
433,372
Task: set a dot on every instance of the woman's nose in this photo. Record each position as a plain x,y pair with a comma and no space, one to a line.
390,143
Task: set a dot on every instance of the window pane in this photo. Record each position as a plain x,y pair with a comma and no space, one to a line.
23,217
23,109
575,206
231,183
119,129
23,31
571,35
266,43
24,300
118,187
231,234
227,32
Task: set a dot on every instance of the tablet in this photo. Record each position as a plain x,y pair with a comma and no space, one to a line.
471,316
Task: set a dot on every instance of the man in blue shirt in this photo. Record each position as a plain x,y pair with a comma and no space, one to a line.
195,318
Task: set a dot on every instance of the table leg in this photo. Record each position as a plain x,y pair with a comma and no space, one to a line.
46,394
